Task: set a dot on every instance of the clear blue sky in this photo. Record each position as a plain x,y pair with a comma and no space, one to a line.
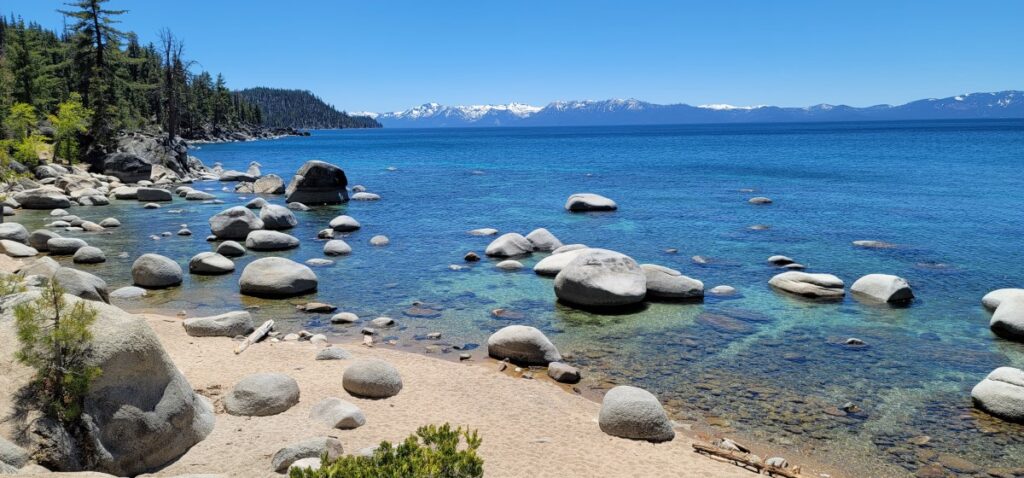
389,55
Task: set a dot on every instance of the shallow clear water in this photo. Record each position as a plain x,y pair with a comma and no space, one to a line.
761,364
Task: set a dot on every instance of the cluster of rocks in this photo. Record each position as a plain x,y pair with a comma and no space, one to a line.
1001,393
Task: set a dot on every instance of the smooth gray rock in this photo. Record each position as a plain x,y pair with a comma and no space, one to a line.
333,353
210,263
509,245
144,413
509,265
563,373
522,344
1001,394
82,284
270,241
759,201
553,264
824,286
312,448
42,266
991,300
365,196
634,413
344,318
151,205
16,249
276,277
298,206
234,223
379,240
780,260
89,255
12,231
39,237
1008,320
269,184
372,378
722,290
64,246
12,454
125,192
344,224
154,271
317,182
199,196
231,324
262,394
129,293
256,203
665,283
337,247
337,413
230,249
569,248
883,288
583,202
45,197
486,231
543,240
277,218
601,278
153,195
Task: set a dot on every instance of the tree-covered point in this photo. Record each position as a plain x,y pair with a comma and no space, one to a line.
301,109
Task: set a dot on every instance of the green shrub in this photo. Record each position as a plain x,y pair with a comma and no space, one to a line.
433,452
55,341
9,284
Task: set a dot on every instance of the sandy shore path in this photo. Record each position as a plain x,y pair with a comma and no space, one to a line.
529,427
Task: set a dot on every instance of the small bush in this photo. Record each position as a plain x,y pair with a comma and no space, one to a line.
9,284
432,452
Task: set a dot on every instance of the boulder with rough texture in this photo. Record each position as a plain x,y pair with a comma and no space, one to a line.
583,202
312,448
372,378
64,246
39,238
199,196
337,413
337,247
344,224
522,344
553,264
1001,394
509,245
317,182
991,301
883,288
12,231
43,266
634,413
230,249
601,278
823,286
82,284
262,394
276,277
270,241
333,353
231,324
543,240
154,271
89,255
143,412
1008,320
665,283
153,195
45,197
12,454
563,373
16,249
210,263
276,217
269,184
234,223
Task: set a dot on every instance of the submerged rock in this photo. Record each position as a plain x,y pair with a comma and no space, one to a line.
543,240
487,231
583,202
874,244
759,201
883,288
825,286
601,278
634,413
509,265
522,344
154,271
1001,394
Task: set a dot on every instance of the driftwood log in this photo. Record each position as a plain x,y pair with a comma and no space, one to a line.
255,336
744,459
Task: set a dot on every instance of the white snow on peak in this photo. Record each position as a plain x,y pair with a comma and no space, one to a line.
470,112
726,107
371,114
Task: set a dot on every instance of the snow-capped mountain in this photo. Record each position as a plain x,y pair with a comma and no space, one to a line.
1004,104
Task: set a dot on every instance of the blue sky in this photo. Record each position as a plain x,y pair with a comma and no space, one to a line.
390,55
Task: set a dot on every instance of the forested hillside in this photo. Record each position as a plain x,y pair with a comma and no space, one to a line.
301,109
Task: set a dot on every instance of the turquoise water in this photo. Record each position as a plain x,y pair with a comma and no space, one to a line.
761,364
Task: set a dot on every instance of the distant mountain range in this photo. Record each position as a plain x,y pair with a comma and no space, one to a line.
1004,104
301,109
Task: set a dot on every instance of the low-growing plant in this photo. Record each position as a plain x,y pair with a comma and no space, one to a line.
432,452
10,284
55,340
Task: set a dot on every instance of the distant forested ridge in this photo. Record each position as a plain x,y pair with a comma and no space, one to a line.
301,109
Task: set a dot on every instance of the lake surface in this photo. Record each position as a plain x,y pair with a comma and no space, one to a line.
760,364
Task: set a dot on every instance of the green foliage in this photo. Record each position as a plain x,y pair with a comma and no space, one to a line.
29,150
20,121
9,283
433,452
301,109
71,120
55,340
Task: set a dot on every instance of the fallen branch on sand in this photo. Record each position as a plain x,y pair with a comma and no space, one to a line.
745,460
255,336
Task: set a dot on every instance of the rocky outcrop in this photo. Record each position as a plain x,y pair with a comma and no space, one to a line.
815,286
584,202
269,184
143,157
883,288
317,182
665,283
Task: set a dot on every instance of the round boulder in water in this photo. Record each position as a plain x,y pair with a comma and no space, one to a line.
883,288
665,283
270,241
991,301
154,271
210,263
601,278
344,224
276,217
522,344
1001,394
276,277
234,223
816,286
583,202
509,245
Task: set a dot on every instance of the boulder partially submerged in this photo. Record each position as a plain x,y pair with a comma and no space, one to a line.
817,286
276,277
1001,394
584,202
318,182
883,288
601,278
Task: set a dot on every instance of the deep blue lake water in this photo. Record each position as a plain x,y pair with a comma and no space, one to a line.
761,365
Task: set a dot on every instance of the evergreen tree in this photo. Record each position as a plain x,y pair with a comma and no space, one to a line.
71,120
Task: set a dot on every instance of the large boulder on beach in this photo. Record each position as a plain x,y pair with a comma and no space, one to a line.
817,286
143,413
64,246
1001,394
210,263
45,197
16,249
583,202
883,288
154,271
234,223
634,413
12,231
522,344
82,284
372,378
509,245
991,301
337,413
276,217
1008,320
543,240
262,394
276,277
311,448
601,278
317,182
231,324
344,224
270,241
666,283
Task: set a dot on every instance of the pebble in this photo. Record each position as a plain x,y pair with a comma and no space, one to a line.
465,356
